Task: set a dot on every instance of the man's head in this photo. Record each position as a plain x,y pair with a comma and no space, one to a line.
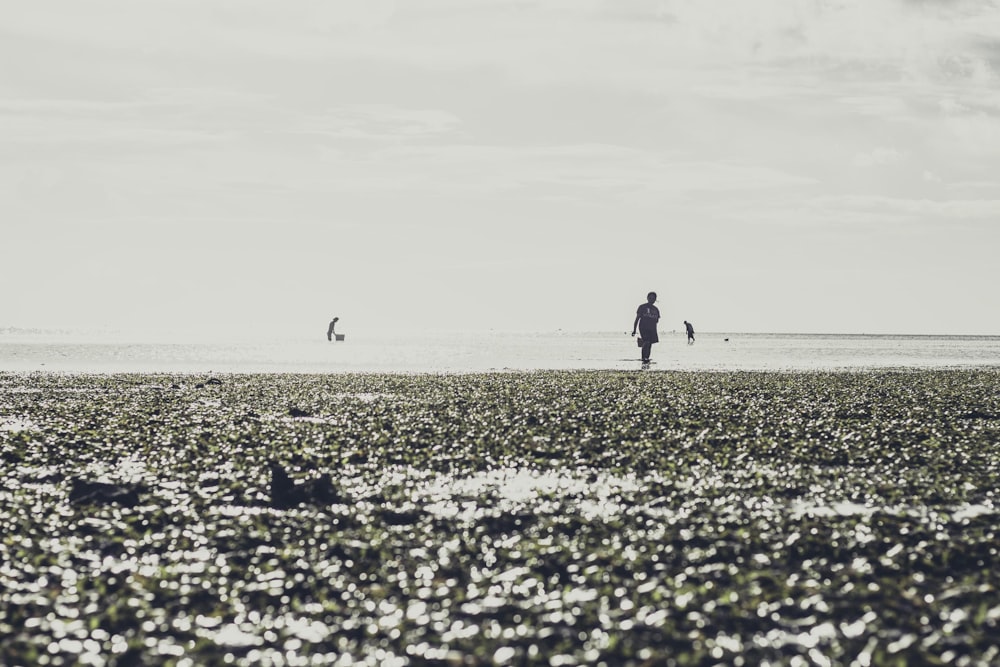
651,297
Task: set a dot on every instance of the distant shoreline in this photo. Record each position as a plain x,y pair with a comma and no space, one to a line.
469,353
277,375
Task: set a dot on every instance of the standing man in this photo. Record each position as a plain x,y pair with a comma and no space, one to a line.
330,329
646,317
690,330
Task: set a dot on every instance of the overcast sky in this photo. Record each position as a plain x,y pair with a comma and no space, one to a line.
256,165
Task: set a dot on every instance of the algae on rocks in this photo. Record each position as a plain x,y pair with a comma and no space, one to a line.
502,518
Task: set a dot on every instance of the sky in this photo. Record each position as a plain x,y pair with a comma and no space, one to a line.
235,166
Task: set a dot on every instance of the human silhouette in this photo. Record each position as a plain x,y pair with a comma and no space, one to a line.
330,333
646,317
690,330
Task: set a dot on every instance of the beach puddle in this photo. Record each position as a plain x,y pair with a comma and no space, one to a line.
125,469
17,424
849,509
364,397
520,485
513,488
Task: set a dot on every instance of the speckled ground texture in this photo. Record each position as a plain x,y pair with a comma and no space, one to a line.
551,518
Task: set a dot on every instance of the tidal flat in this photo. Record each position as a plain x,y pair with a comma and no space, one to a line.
550,518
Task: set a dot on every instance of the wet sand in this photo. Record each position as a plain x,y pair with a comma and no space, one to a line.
501,518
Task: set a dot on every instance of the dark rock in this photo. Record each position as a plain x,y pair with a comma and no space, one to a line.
84,492
400,517
297,412
285,492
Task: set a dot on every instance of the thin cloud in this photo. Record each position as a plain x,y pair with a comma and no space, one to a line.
975,186
380,123
593,170
879,157
881,106
904,209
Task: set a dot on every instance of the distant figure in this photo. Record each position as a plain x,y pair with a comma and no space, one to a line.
690,330
330,333
646,317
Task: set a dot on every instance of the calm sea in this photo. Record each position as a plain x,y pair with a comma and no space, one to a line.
467,352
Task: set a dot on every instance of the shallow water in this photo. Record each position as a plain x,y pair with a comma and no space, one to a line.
465,352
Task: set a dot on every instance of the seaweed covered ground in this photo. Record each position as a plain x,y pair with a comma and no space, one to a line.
554,518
